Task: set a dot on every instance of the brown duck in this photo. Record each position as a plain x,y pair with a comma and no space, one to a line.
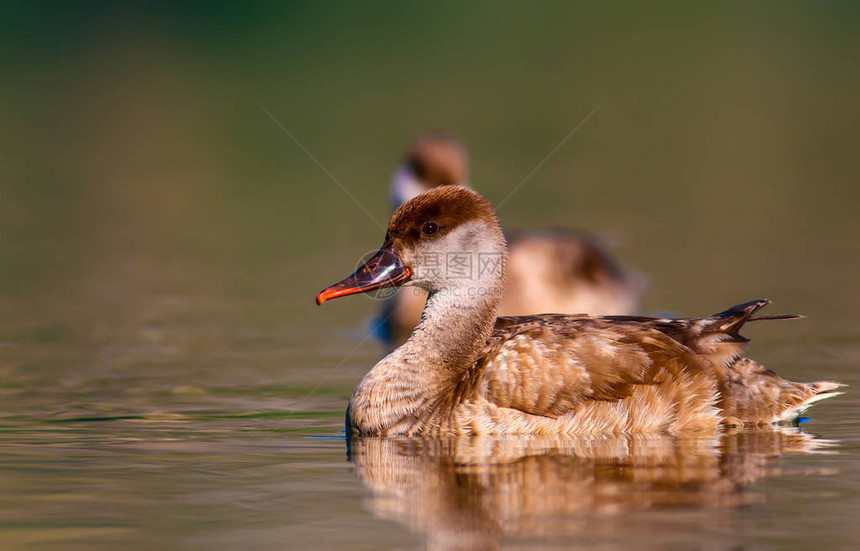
463,371
558,270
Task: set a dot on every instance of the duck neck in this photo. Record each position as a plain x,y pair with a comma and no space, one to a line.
454,328
404,387
460,312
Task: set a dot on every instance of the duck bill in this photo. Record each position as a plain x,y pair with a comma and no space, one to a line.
384,269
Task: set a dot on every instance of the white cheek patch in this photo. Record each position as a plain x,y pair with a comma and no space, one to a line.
405,187
469,256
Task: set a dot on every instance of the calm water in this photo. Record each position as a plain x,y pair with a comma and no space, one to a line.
167,382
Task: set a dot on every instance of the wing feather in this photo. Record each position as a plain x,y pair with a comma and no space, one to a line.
551,365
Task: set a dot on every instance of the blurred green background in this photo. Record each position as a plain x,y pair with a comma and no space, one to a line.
162,239
723,159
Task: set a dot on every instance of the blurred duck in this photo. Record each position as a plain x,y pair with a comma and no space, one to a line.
463,371
548,271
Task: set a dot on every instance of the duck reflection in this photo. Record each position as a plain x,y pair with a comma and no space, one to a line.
471,492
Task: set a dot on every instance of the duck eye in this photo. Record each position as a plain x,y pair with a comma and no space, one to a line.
430,228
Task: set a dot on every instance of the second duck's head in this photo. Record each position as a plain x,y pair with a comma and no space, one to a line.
446,240
432,160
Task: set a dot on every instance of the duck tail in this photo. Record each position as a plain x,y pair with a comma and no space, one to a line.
815,392
755,395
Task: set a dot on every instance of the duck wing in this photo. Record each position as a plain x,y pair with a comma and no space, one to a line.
554,364
609,376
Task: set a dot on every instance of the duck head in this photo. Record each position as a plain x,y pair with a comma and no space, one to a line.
447,239
433,160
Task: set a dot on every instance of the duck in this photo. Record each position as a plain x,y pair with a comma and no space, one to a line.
553,270
465,371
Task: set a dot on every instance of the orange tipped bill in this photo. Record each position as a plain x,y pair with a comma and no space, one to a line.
383,269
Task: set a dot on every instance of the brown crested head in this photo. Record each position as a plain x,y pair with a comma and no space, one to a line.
438,160
443,221
432,215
